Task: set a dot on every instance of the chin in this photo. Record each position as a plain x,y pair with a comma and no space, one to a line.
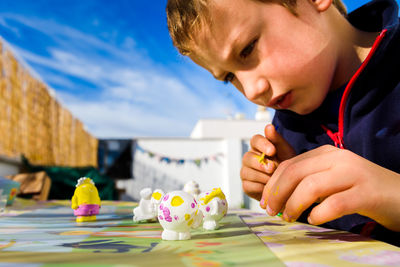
303,110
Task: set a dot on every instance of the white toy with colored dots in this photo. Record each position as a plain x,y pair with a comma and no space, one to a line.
145,210
192,188
155,200
178,212
214,207
148,205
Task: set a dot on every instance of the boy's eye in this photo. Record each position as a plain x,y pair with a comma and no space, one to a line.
248,49
229,77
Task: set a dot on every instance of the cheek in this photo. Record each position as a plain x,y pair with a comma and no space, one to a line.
316,79
298,57
307,69
302,63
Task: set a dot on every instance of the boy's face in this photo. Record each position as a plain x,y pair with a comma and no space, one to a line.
273,57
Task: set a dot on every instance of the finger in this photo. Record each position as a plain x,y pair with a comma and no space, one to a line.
335,206
307,162
264,202
261,144
283,148
289,174
316,152
253,189
259,162
252,175
311,189
264,197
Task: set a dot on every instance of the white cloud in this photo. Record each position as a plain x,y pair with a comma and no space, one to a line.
137,101
113,118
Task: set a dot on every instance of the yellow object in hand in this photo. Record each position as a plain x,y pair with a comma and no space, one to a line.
261,159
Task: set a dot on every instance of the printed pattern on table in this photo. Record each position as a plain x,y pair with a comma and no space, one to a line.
298,244
46,234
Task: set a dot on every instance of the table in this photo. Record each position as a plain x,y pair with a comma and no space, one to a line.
46,234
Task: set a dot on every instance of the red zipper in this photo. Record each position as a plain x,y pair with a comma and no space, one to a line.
338,136
337,139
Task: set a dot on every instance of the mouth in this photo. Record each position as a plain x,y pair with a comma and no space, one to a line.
281,102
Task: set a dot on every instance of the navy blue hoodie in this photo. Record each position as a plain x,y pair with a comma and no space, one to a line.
363,115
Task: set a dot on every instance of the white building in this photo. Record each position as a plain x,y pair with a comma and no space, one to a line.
212,157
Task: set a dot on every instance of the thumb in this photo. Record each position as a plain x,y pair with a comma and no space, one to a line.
284,150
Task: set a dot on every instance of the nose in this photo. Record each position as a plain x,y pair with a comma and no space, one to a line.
253,85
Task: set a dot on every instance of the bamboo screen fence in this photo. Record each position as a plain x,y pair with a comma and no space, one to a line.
34,124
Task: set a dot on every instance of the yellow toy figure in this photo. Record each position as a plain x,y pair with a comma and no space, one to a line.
86,200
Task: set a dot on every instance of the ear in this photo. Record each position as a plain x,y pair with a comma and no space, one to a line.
321,5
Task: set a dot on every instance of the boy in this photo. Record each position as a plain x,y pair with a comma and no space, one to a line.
334,83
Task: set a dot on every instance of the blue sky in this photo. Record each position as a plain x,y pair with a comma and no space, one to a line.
112,64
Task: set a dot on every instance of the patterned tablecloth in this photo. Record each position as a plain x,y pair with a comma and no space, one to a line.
46,234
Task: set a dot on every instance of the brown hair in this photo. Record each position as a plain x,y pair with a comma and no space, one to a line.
185,17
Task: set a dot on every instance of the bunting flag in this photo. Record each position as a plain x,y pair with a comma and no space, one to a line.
180,161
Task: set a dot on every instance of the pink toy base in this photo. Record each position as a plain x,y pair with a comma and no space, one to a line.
87,210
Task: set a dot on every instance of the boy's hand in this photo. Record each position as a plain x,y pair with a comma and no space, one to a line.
256,170
341,181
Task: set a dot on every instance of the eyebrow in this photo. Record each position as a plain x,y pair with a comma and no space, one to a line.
232,49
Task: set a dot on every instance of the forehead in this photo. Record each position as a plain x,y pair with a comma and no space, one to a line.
225,16
228,22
